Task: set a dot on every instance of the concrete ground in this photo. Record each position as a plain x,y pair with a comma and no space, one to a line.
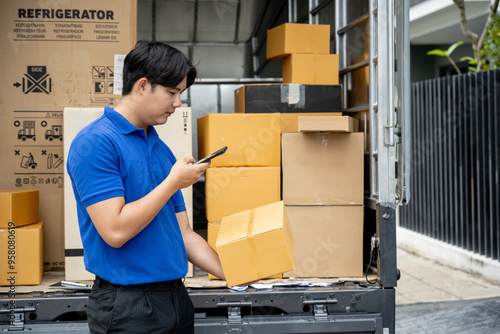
434,298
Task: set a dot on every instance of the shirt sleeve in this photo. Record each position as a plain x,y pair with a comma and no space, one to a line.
94,168
179,204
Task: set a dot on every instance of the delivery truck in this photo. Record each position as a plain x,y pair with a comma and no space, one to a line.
371,39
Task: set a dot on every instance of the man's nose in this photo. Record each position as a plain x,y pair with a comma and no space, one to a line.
178,102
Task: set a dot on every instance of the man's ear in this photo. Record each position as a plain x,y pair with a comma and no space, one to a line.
142,85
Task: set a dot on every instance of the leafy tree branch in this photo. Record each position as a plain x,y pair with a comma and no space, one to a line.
477,41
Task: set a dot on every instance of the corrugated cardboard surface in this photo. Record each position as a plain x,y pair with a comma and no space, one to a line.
18,207
176,133
311,69
55,54
328,240
256,244
291,38
231,190
323,169
327,124
290,122
21,248
253,140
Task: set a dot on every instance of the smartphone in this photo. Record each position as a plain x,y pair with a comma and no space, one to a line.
211,156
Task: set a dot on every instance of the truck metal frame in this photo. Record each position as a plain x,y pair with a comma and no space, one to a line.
342,308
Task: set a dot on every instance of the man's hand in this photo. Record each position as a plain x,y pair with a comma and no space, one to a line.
184,173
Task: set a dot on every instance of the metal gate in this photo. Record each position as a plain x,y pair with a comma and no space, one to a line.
456,162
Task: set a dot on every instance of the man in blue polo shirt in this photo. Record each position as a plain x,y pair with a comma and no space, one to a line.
133,222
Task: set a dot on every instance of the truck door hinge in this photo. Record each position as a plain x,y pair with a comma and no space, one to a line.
234,310
320,307
16,316
392,135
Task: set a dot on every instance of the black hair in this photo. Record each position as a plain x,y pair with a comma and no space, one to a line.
158,62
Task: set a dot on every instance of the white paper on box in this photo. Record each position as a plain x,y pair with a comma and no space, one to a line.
118,75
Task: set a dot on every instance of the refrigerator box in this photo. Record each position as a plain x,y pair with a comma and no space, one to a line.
55,54
292,38
256,244
328,240
311,69
340,124
253,140
229,190
18,207
288,98
176,133
323,169
21,262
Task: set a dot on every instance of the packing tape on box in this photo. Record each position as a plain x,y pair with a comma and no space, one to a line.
250,223
292,95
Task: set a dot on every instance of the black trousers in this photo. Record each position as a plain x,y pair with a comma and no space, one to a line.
163,307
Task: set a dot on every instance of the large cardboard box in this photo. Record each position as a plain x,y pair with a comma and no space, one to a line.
291,38
323,169
256,244
253,140
18,207
231,190
21,260
311,69
289,98
339,124
328,240
176,133
54,54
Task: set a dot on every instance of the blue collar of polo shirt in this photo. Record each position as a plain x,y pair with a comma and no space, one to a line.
125,126
121,122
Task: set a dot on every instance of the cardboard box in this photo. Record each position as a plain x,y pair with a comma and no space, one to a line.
55,54
253,140
340,124
311,69
256,244
231,190
212,232
18,207
328,240
176,133
290,98
323,169
21,260
290,122
291,38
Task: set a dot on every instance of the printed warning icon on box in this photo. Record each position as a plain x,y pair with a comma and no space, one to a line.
37,80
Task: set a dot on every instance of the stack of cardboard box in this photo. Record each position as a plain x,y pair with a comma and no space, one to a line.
322,158
248,174
21,238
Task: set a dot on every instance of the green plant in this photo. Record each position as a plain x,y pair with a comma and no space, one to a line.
472,62
490,52
447,53
477,40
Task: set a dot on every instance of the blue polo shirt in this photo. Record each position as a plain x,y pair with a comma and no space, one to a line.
112,158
